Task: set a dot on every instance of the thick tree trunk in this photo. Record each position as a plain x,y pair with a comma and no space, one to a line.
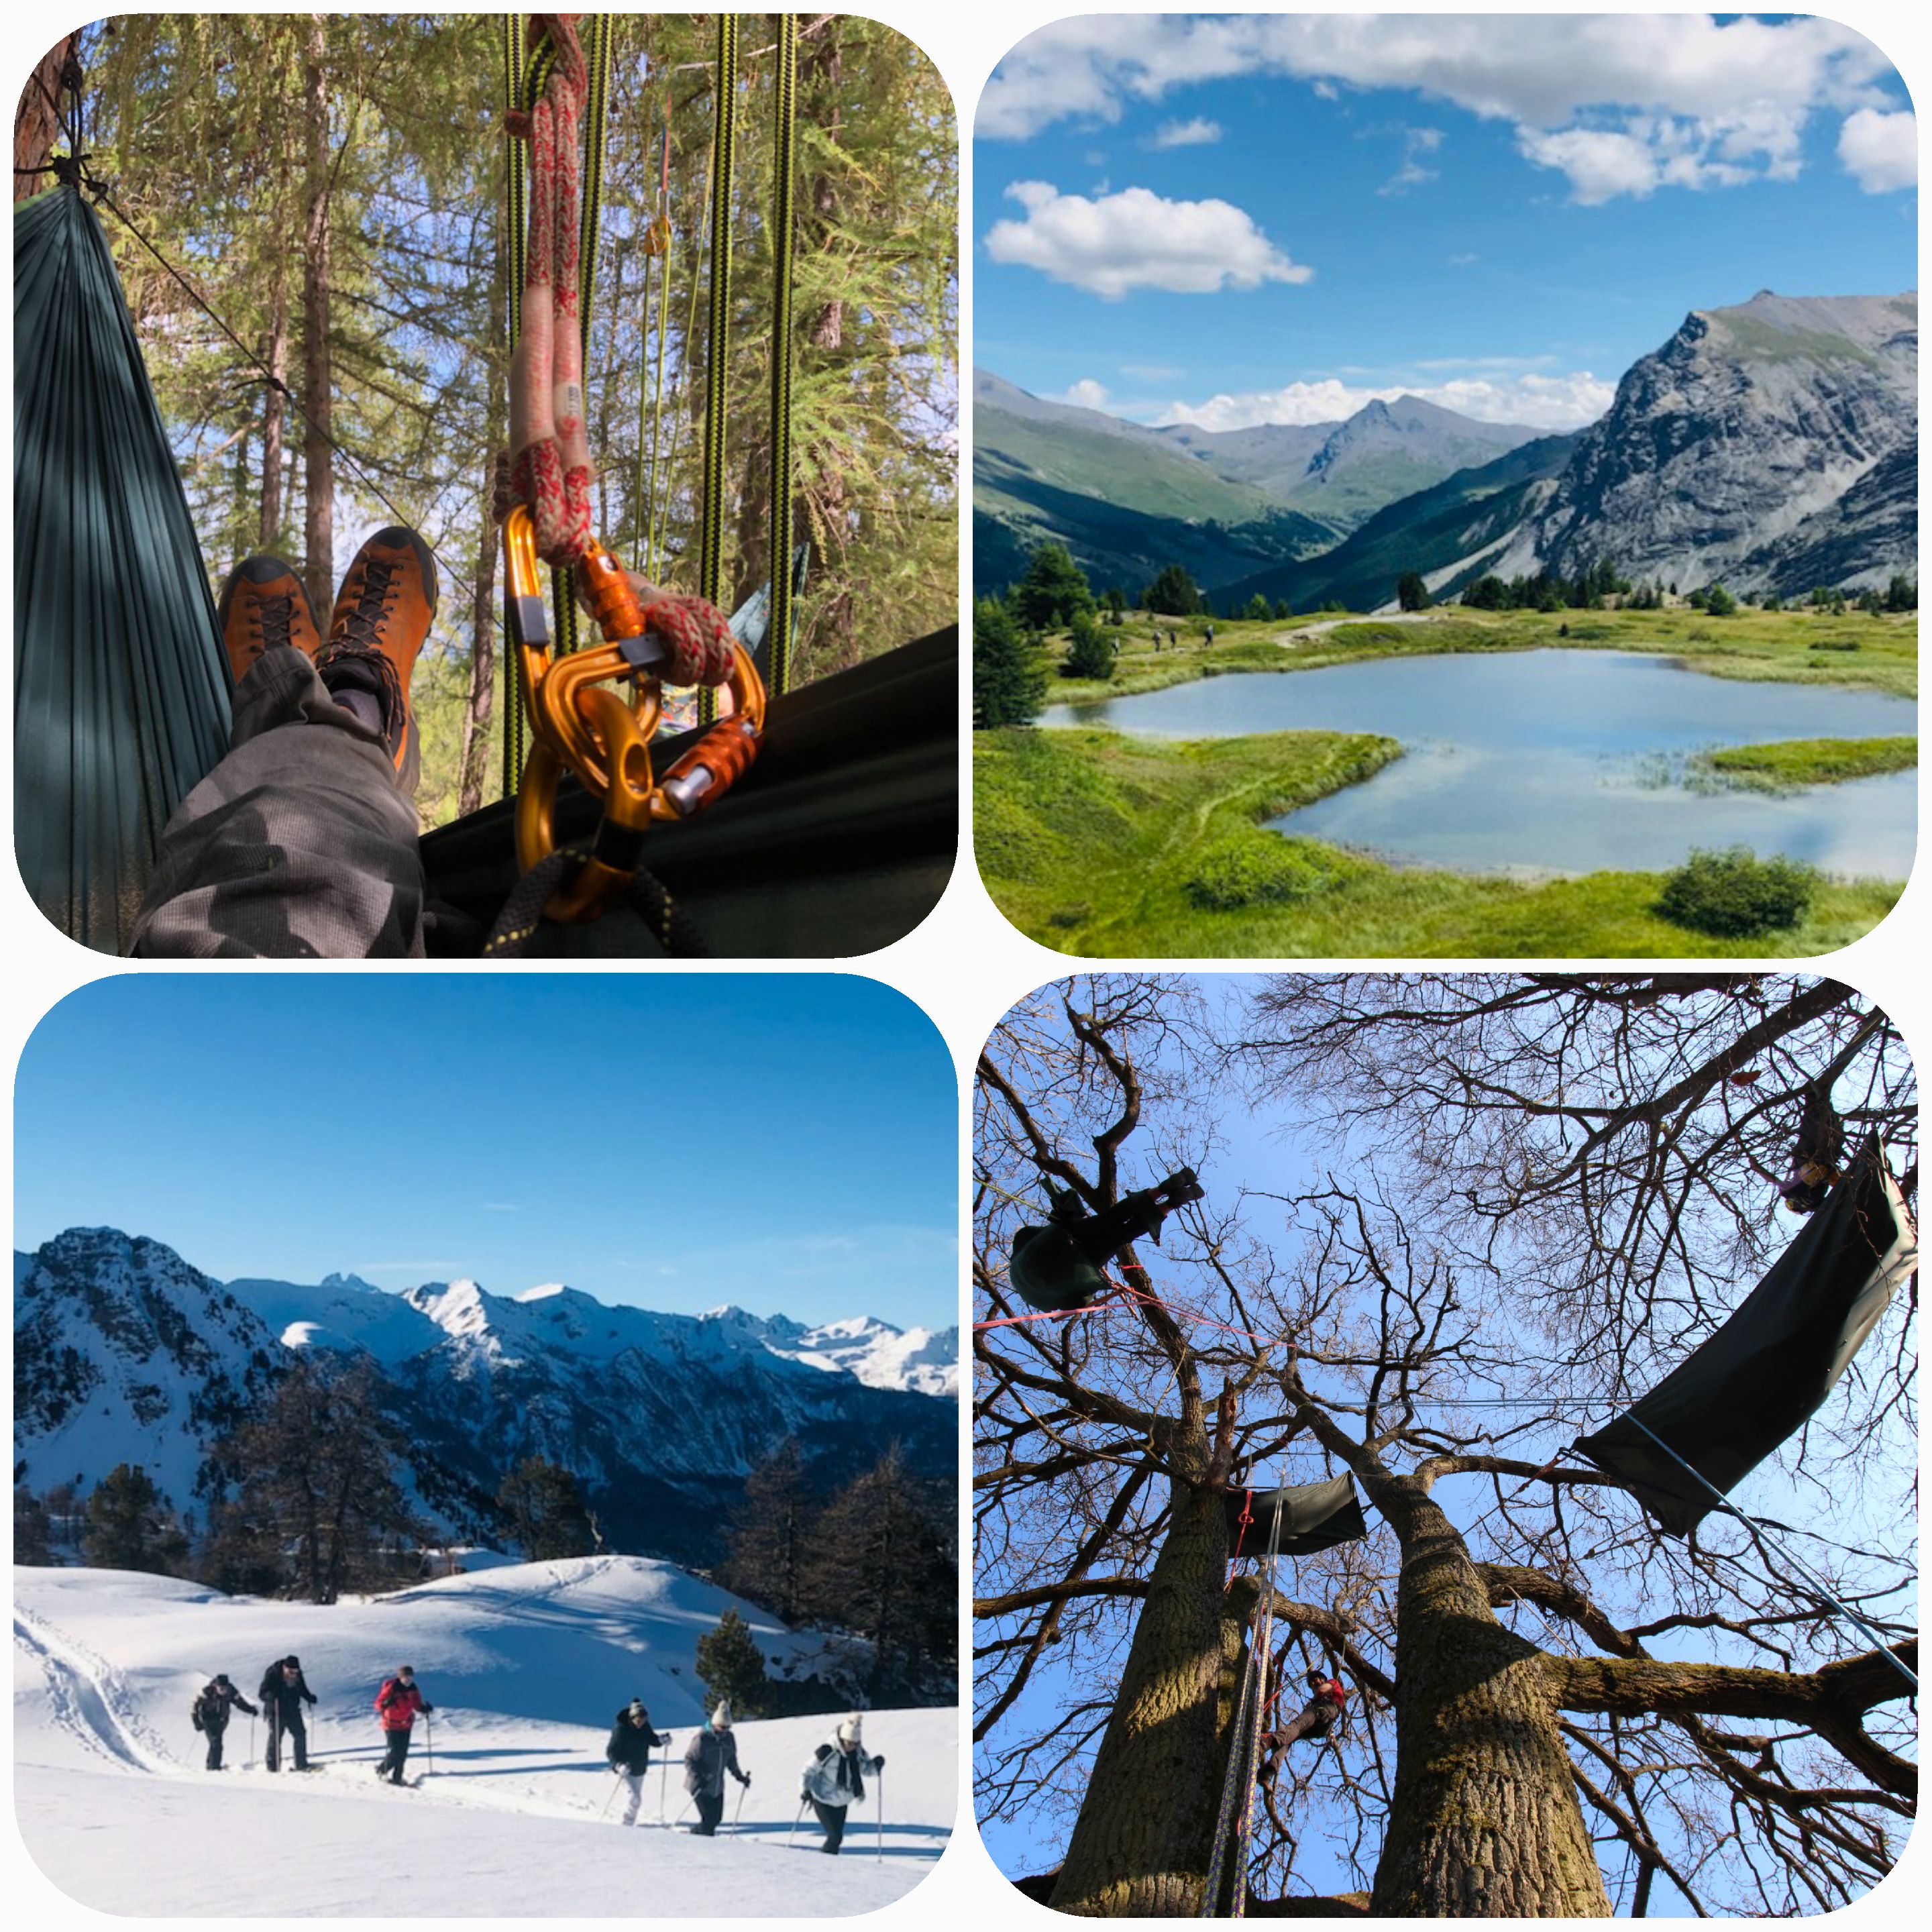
1485,1822
1139,1849
37,125
318,467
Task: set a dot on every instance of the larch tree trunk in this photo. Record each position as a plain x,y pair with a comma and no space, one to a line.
1485,1822
318,466
275,410
1139,1849
36,123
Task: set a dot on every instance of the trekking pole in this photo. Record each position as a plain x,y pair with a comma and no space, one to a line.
251,1740
879,1789
617,1778
793,1832
663,1781
738,1811
429,1745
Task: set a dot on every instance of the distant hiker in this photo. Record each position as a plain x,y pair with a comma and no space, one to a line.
628,1753
708,1756
1210,633
1315,1719
397,1704
284,1691
211,1711
835,1778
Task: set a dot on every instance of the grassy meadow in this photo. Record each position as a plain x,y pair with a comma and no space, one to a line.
1106,846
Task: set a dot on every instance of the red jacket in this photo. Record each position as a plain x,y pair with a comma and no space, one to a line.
397,1704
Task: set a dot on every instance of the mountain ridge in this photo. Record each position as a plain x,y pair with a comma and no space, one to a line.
124,1352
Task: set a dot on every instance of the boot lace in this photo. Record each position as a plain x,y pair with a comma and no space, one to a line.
277,617
362,626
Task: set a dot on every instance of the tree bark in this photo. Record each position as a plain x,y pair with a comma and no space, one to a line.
274,412
1139,1849
318,466
37,125
1484,1823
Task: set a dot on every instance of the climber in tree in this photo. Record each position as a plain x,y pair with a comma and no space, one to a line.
1315,1719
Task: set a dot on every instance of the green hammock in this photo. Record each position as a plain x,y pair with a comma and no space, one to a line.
121,688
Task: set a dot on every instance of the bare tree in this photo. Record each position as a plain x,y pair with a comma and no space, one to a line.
1556,1706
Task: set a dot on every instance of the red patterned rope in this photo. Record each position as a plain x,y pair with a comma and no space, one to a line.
550,466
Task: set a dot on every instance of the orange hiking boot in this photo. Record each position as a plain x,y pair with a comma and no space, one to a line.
263,605
383,614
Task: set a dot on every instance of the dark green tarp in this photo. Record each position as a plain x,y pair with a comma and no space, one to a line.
1313,1515
120,686
1758,1379
839,840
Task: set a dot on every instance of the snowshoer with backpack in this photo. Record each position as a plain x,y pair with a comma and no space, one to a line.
835,1778
708,1756
397,1704
1315,1719
212,1709
284,1692
628,1753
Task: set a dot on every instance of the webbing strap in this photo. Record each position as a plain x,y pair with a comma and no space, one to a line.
784,224
718,328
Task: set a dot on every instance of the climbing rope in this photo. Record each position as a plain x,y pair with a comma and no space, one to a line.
578,724
784,118
1233,1821
717,327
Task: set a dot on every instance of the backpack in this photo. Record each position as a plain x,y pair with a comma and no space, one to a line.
194,1713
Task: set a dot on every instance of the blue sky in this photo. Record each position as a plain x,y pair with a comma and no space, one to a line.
1233,220
787,1142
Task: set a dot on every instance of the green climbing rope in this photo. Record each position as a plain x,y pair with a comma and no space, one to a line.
718,329
785,117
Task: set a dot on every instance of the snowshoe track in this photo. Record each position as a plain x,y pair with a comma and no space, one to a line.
91,1699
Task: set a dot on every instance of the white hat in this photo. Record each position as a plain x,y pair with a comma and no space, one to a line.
848,1729
720,1718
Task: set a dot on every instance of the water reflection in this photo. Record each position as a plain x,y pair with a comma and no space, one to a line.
1546,761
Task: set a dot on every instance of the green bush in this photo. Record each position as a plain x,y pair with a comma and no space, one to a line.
1252,867
1732,895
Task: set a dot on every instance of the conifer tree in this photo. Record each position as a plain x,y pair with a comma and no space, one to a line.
1009,678
130,1527
546,1512
772,1534
733,1667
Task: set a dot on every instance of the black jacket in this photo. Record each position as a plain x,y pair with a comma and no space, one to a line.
280,1698
216,1705
630,1745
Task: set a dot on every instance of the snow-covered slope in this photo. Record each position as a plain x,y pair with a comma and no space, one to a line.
525,1665
122,1353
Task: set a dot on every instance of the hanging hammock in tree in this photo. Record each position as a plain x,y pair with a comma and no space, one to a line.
120,691
1295,1522
1762,1376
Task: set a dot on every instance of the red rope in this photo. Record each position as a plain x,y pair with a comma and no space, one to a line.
1240,1537
550,465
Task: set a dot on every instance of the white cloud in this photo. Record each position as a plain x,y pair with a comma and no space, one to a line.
1135,239
1881,150
1088,394
1416,142
1538,402
1712,104
1198,133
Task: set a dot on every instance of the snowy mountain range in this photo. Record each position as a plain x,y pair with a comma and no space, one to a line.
124,1352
